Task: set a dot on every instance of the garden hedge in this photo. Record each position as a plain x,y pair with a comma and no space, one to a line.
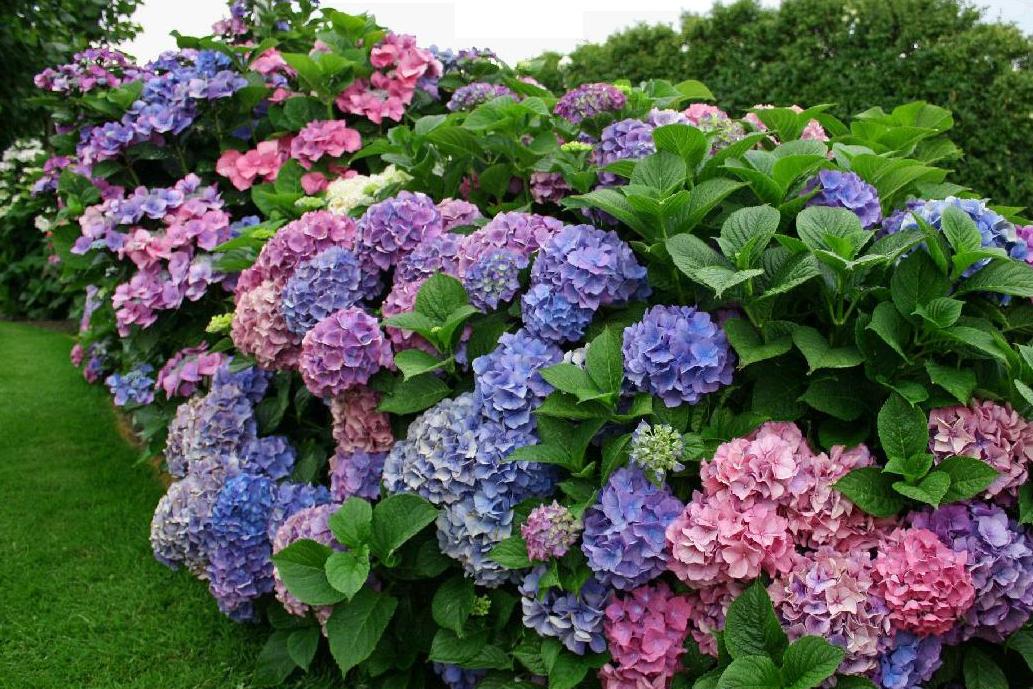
463,383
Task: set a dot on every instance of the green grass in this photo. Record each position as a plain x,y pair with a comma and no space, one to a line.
82,601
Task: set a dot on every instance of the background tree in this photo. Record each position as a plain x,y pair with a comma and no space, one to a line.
855,54
35,34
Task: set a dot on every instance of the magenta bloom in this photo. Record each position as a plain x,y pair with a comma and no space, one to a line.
331,138
549,531
185,370
925,584
260,164
342,351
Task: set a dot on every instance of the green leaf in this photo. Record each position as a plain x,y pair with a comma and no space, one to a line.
751,627
693,90
981,672
274,662
511,553
872,491
854,682
960,230
746,233
704,198
439,296
691,255
351,524
347,570
411,320
565,669
615,451
301,565
471,651
1026,503
1003,277
355,627
662,171
751,672
748,345
982,340
903,428
413,362
682,140
569,378
831,396
917,281
809,661
820,354
969,477
891,327
786,271
396,519
941,312
613,202
302,645
414,395
911,468
604,361
1022,643
834,229
453,602
929,490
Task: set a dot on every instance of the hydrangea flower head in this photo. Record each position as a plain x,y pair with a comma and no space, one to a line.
678,354
470,96
551,316
548,187
549,531
657,450
310,523
838,189
186,369
357,425
394,227
521,233
628,139
260,330
343,351
331,138
334,279
457,213
589,100
456,677
709,607
576,619
909,662
507,383
134,388
356,474
624,530
494,279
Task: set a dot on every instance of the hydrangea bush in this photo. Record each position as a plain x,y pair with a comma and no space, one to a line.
465,383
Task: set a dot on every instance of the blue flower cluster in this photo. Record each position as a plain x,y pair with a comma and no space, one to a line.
551,316
494,279
628,139
134,388
507,383
470,96
456,677
678,354
910,662
334,279
575,619
847,190
624,531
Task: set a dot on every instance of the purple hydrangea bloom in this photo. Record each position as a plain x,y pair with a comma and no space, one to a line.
494,279
590,267
847,190
660,118
251,381
456,677
500,484
575,619
677,353
522,233
549,315
272,456
548,187
220,424
394,227
180,522
549,531
437,255
356,474
629,139
468,537
892,222
910,662
470,96
1000,560
331,281
624,537
135,387
240,567
291,497
507,383
589,100
457,213
342,351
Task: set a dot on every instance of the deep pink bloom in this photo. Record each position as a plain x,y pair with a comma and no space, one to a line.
332,138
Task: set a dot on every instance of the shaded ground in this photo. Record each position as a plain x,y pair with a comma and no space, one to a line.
82,602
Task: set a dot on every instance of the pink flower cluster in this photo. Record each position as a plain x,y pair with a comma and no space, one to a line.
645,630
271,65
184,371
709,606
988,431
357,425
331,138
399,65
343,351
925,584
261,163
260,330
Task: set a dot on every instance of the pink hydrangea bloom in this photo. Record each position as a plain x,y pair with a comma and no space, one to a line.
342,351
262,162
185,370
77,354
399,65
260,330
357,425
827,594
271,62
331,138
645,630
988,431
309,523
456,212
767,464
709,606
696,112
925,584
313,182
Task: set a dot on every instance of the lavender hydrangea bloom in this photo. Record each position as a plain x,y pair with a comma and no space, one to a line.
575,619
251,381
629,139
331,281
660,118
589,100
1000,560
590,268
494,279
549,315
891,223
624,531
394,227
847,190
437,255
343,351
507,383
456,213
135,387
272,456
468,537
677,353
356,474
180,522
549,531
456,677
470,96
910,662
291,497
501,484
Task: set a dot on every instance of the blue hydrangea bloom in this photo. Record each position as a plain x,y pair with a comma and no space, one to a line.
507,383
590,268
470,96
456,677
847,190
678,354
624,537
291,497
549,315
628,139
574,619
910,662
135,387
271,456
494,279
251,381
332,280
500,484
468,537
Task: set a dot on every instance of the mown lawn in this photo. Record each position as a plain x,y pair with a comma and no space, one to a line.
82,602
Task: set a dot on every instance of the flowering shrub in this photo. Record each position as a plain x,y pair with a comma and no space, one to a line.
491,387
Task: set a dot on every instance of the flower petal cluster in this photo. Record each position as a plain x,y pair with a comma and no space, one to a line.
310,523
394,227
356,474
136,387
456,677
494,279
837,189
909,661
576,619
400,67
624,531
187,368
677,353
709,606
521,233
657,449
628,139
357,425
470,96
548,187
588,100
342,351
260,164
352,191
457,213
507,383
319,138
549,531
549,315
334,279
260,329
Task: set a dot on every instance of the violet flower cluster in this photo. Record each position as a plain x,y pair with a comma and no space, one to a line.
837,189
91,68
589,100
135,387
470,96
576,619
